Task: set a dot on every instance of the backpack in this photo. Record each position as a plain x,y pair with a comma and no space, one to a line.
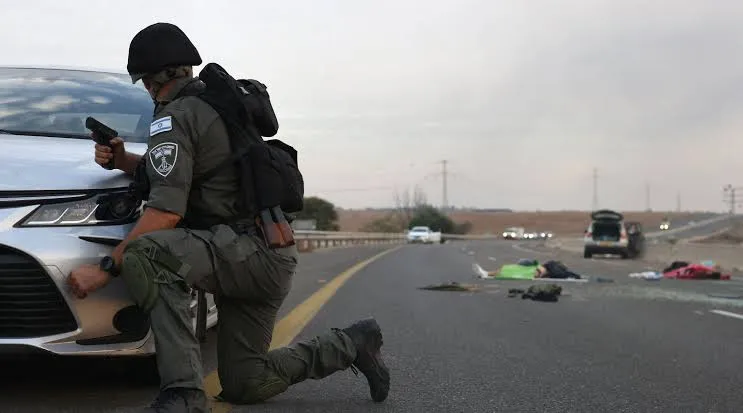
269,171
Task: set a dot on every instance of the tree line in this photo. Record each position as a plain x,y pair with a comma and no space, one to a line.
410,210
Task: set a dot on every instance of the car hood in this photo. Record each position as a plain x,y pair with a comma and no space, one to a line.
31,163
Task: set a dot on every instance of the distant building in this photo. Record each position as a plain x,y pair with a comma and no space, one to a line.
305,224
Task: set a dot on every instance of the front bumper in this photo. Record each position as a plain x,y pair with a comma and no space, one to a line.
37,311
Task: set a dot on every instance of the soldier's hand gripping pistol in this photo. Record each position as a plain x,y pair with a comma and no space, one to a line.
102,135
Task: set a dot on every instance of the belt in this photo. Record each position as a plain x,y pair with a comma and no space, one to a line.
244,227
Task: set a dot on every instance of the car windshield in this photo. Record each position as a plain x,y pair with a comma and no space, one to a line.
55,102
419,229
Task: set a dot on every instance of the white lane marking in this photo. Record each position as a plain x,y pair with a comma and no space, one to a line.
492,258
697,312
728,314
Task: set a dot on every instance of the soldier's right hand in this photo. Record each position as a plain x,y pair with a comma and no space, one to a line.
104,154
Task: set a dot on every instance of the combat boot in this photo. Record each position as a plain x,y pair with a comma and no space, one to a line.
179,400
367,336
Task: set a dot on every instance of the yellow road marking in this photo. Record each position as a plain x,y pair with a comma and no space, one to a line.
292,324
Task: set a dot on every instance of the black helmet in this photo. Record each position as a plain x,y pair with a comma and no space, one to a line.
157,47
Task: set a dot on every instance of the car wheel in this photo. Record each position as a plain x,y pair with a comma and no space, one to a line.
587,254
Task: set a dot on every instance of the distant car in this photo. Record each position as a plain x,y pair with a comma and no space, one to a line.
606,234
665,225
423,235
545,235
514,233
530,235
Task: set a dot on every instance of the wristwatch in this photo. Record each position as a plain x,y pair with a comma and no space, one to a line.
109,265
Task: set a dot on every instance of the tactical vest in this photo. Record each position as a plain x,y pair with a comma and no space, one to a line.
270,179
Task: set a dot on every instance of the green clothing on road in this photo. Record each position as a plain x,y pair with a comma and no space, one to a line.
517,272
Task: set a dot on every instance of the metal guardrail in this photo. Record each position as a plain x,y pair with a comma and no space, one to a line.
309,240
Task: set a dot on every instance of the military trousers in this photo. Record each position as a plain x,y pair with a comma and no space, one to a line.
249,282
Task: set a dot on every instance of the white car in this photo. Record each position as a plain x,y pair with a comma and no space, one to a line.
514,233
50,219
423,235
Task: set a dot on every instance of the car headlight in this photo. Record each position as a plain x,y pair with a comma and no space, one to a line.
103,209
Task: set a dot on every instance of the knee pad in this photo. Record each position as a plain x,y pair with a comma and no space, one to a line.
146,266
139,273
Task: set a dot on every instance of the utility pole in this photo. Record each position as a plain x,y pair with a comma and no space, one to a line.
647,196
678,201
729,197
444,194
595,190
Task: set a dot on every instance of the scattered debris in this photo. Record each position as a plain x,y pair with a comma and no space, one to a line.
684,271
513,292
541,292
450,286
647,275
604,280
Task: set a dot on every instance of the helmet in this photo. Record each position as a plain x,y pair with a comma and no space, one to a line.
157,47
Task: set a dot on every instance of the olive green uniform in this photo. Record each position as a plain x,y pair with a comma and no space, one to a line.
250,281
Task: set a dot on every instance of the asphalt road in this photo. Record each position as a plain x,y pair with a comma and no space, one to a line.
707,229
626,345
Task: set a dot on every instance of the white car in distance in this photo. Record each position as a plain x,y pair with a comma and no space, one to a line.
423,235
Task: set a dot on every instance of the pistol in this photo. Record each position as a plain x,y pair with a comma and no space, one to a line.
102,135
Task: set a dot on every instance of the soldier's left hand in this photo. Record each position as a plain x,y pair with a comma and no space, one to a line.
86,279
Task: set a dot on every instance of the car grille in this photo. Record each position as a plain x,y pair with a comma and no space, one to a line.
30,303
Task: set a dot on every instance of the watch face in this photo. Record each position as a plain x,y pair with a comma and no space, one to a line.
107,263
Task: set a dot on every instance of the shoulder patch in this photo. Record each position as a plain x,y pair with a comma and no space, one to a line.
163,157
161,125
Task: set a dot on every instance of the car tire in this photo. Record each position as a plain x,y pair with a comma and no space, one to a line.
587,253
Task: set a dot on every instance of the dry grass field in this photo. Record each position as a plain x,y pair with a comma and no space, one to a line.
559,222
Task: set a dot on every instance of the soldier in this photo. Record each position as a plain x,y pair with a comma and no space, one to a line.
191,235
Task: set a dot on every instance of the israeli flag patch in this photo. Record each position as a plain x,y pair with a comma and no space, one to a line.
161,125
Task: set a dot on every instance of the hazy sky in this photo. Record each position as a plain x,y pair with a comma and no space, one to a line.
523,98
